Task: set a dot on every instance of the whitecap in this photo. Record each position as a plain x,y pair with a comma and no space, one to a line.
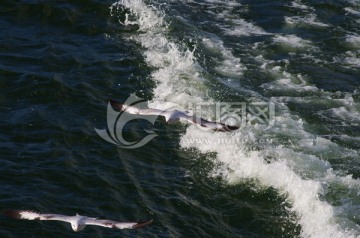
353,40
308,20
352,11
300,5
240,27
229,65
292,41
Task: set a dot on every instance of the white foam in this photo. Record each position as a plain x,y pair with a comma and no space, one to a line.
344,110
232,26
352,11
308,20
354,61
172,62
226,3
300,5
289,83
344,115
240,27
236,27
229,66
351,59
353,40
316,217
353,2
292,41
179,81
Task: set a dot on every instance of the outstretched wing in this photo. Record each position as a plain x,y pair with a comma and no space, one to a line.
31,215
134,110
115,224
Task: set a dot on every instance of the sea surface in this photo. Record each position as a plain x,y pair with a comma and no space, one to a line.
290,68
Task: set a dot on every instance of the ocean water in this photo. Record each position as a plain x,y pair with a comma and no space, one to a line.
294,175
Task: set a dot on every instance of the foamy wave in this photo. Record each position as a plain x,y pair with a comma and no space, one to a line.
292,41
178,75
178,78
351,59
316,217
226,4
354,61
352,11
230,66
289,83
343,115
300,5
353,2
353,40
232,26
308,20
240,27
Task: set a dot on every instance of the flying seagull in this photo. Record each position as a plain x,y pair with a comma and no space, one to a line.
77,222
173,116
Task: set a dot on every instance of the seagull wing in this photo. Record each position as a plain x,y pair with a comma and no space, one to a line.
114,224
134,110
215,126
31,215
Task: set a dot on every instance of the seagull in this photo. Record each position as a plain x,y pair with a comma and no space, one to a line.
77,222
173,116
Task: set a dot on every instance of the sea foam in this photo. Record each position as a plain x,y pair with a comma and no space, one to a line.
178,78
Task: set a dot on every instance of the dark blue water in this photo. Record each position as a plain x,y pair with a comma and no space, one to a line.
61,61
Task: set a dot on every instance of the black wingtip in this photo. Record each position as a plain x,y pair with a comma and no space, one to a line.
116,105
226,128
231,128
139,225
12,214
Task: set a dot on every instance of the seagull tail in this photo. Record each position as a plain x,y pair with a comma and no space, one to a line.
139,225
12,213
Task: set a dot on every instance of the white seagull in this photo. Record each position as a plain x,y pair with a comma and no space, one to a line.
173,116
77,222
